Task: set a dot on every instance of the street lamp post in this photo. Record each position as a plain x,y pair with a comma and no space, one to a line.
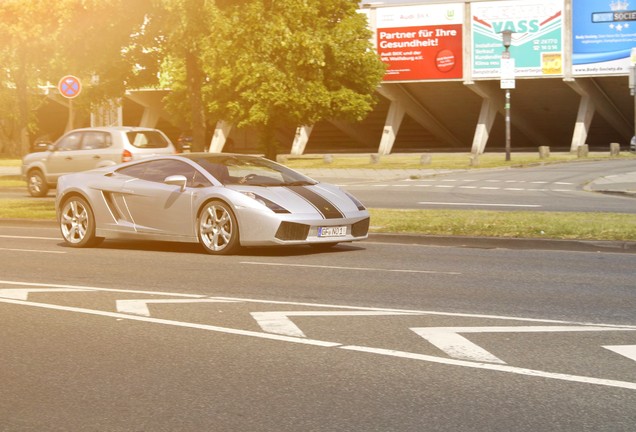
507,82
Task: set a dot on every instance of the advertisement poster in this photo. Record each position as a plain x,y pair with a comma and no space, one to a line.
537,34
603,34
421,42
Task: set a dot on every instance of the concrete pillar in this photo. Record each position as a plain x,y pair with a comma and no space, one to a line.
615,149
544,152
583,121
391,127
486,119
301,139
221,132
426,159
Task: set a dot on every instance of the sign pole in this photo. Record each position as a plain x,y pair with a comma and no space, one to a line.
70,87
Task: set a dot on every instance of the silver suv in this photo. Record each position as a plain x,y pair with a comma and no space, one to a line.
85,149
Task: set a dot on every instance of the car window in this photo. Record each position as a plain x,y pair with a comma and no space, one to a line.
147,139
96,140
157,171
69,142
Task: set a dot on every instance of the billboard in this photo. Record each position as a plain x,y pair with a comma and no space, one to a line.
421,42
537,27
603,34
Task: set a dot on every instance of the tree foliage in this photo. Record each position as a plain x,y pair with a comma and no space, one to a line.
292,63
267,64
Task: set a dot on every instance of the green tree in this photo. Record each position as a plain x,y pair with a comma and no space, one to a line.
288,63
100,41
183,30
27,35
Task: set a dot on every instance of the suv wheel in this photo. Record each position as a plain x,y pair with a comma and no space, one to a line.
36,184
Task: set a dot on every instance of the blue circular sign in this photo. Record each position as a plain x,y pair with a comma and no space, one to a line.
69,86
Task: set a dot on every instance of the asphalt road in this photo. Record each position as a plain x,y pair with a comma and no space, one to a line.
560,187
368,337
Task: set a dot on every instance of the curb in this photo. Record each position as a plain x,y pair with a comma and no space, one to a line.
617,246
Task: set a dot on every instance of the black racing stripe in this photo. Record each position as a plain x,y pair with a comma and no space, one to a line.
327,209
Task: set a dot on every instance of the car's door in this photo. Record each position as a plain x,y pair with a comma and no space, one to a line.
96,151
158,208
63,158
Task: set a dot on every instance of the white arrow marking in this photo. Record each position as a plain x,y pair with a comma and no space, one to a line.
448,340
279,323
23,294
140,307
628,351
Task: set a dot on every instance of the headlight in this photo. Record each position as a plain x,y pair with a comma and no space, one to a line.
267,203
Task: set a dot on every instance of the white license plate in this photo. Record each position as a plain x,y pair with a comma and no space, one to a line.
335,231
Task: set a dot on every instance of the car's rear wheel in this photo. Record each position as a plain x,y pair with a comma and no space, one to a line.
77,223
218,229
36,184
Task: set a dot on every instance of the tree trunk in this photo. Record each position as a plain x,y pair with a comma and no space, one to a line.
195,79
22,92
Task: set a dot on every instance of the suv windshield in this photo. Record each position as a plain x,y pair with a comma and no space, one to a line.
147,139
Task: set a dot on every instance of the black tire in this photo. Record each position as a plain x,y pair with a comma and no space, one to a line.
36,184
77,223
218,229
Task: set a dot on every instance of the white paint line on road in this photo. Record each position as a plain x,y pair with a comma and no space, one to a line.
31,286
347,268
327,344
173,323
628,351
401,354
495,367
140,307
32,250
478,204
23,294
279,322
452,343
29,237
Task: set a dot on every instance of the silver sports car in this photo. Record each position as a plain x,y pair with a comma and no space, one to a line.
222,201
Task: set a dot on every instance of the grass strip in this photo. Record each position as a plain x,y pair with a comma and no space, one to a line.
513,224
443,161
29,208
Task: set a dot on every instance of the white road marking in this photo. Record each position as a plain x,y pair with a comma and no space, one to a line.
140,307
28,237
347,268
279,322
479,204
628,351
32,250
495,367
87,288
327,344
448,339
23,294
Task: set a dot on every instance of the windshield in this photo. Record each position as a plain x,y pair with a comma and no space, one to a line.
249,170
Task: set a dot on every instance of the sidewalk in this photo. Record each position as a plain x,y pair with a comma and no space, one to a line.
621,183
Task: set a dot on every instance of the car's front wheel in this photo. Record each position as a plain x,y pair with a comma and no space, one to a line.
77,223
36,184
218,229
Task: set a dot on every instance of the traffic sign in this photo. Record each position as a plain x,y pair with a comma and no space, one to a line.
69,86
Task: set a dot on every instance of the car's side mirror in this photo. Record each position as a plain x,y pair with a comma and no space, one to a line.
176,180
